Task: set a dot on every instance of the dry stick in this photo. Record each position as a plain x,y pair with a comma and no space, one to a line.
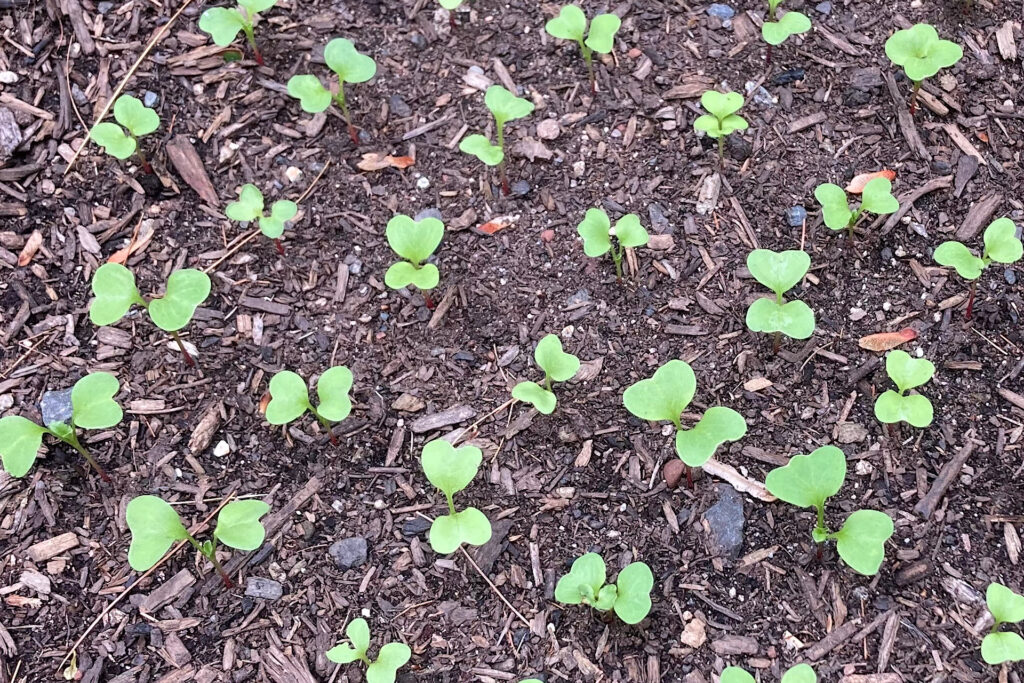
494,588
926,506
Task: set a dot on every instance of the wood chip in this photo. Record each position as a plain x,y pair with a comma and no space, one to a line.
168,591
805,122
961,141
190,167
730,474
757,384
454,415
950,471
44,550
978,217
1004,39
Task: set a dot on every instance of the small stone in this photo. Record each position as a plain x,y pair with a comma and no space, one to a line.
150,98
886,254
673,472
548,129
580,297
579,168
1006,106
293,174
520,188
1011,276
349,553
432,212
790,76
547,235
104,7
398,106
795,216
919,229
418,41
824,7
355,267
8,77
850,432
408,403
695,633
415,526
941,166
56,407
760,95
724,522
721,11
267,589
658,220
221,449
423,182
857,313
739,148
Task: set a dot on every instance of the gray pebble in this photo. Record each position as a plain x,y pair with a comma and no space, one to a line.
795,216
150,98
56,407
824,7
721,11
268,589
520,188
432,212
398,106
348,553
418,41
1010,275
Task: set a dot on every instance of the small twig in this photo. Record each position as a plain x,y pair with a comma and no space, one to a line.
494,588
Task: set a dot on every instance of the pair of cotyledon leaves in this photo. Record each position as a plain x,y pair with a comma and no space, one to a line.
1006,607
664,397
113,287
558,366
224,23
451,470
801,673
722,118
835,208
907,373
807,481
779,272
789,24
137,119
350,65
155,527
92,407
1001,245
596,231
414,241
629,596
390,658
451,4
289,397
921,52
505,107
249,207
571,24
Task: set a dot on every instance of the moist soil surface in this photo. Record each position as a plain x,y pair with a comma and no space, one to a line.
740,585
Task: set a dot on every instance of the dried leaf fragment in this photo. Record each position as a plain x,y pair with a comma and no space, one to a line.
856,185
32,244
378,161
883,341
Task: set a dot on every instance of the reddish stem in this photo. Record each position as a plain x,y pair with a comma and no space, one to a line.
428,301
820,552
188,358
259,56
280,248
332,437
689,477
451,20
353,135
970,301
776,342
768,56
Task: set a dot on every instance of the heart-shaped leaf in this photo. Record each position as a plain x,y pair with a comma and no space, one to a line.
601,37
795,319
155,527
570,24
332,391
583,582
835,209
734,674
536,395
1001,242
791,23
358,633
131,113
556,363
955,255
20,439
222,24
313,97
808,480
1006,606
891,407
186,289
450,4
595,231
801,673
719,424
480,147
113,287
289,398
256,6
779,271
877,197
448,468
665,395
921,52
281,212
92,401
413,240
239,526
351,65
468,526
629,232
249,206
861,541
390,659
1004,646
906,371
633,596
505,106
112,138
721,105
403,274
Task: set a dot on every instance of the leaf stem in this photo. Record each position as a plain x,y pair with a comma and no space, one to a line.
181,345
721,150
343,106
776,342
212,557
500,131
247,28
325,424
142,157
280,247
913,97
588,57
970,299
451,503
547,381
73,441
617,259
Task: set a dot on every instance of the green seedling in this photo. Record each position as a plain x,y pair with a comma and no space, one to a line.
156,526
596,231
835,209
1006,607
629,596
777,30
114,290
505,107
349,65
249,207
451,6
451,470
415,242
921,53
289,398
665,396
121,142
390,658
906,372
558,366
810,480
1001,245
779,271
571,24
721,119
224,23
801,673
92,407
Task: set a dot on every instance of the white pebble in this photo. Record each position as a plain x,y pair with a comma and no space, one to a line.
423,183
293,174
221,449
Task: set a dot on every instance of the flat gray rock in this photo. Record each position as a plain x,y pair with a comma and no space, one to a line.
348,553
268,589
56,407
724,522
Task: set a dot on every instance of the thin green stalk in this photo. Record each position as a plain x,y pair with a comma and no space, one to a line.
721,151
588,57
339,99
617,259
547,381
326,425
500,127
451,503
212,557
73,441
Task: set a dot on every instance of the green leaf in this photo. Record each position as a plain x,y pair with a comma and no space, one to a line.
113,287
139,119
891,407
468,526
795,319
448,468
505,106
556,363
801,673
779,271
601,37
570,24
281,212
450,4
92,401
342,654
186,289
633,599
606,598
877,197
256,6
1006,606
734,674
480,147
663,396
861,541
808,480
351,65
332,393
629,232
112,138
20,439
721,105
155,526
1006,646
289,398
390,659
536,395
595,231
906,371
921,52
222,23
1001,243
239,526
313,97
403,274
249,206
835,209
696,446
583,582
413,240
358,634
791,23
955,255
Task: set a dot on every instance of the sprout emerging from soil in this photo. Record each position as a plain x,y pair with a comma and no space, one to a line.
137,120
558,366
571,24
390,658
249,207
921,53
505,107
808,481
721,119
224,23
629,596
596,231
289,398
1006,607
906,373
349,65
156,526
92,407
451,470
113,287
801,673
835,208
776,31
779,272
1001,245
414,241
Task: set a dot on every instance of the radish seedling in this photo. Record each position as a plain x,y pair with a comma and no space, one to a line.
1006,607
349,65
664,397
224,23
835,209
414,241
92,407
1001,245
138,120
156,526
810,480
451,470
721,119
571,24
390,658
629,596
596,231
558,366
289,398
801,673
921,53
115,292
906,372
249,207
779,272
505,107
776,31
